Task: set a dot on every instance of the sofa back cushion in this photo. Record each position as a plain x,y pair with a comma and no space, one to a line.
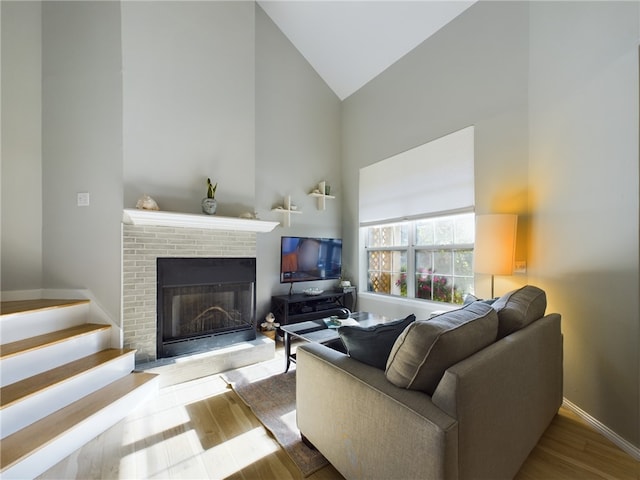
426,348
372,345
519,308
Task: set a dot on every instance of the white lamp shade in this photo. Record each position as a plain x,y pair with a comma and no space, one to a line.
495,244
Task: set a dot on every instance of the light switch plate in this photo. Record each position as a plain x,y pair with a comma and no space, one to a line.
83,199
520,266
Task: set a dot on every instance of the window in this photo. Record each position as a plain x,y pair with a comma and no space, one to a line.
429,258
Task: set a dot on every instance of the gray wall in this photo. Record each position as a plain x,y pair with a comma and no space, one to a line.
472,72
21,170
82,148
297,145
584,197
188,96
153,97
552,89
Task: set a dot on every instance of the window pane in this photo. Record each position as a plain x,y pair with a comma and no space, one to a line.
443,231
438,288
386,270
462,286
424,284
424,261
463,262
403,235
394,235
443,262
464,229
442,288
399,273
424,232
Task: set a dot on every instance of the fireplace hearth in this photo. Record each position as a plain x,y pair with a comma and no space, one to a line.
204,304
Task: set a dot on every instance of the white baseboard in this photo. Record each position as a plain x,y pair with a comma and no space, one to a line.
604,430
16,295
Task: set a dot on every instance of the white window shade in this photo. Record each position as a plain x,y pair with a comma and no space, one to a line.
433,178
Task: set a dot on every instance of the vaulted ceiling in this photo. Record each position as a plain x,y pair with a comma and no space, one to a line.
350,42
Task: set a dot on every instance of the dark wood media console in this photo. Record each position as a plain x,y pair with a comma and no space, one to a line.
300,307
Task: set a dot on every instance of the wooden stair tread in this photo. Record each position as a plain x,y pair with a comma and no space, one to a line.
15,392
22,443
22,306
33,343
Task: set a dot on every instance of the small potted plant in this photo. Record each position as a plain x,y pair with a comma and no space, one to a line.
209,203
269,326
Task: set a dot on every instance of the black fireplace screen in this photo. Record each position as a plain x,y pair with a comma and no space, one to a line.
205,309
204,303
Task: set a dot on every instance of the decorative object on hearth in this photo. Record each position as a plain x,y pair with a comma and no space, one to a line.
209,203
495,245
269,326
147,203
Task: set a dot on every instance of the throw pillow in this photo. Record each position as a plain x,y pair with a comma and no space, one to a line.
371,345
470,298
519,308
424,351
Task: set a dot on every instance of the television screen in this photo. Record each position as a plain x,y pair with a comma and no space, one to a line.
304,259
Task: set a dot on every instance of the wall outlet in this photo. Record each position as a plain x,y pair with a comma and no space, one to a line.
520,266
83,199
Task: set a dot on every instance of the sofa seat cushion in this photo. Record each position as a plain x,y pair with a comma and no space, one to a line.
519,308
426,348
372,345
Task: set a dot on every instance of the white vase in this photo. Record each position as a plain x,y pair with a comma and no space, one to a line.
209,205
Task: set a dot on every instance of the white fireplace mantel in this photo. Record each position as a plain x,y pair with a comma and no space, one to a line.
131,216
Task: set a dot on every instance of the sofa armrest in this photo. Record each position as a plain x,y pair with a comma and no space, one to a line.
367,427
504,398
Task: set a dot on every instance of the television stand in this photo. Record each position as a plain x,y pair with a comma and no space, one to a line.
299,307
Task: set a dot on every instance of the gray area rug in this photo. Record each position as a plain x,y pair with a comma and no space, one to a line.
271,395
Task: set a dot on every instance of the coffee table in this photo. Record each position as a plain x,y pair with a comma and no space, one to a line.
317,331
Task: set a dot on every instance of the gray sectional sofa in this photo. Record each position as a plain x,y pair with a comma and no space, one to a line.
477,418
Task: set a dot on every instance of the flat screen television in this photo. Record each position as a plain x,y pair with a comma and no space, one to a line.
304,259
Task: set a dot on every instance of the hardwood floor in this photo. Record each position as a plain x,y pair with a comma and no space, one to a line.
201,429
571,449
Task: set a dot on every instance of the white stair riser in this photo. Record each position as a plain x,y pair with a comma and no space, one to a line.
30,324
18,367
35,407
65,445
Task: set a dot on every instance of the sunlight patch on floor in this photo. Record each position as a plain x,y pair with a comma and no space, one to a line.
238,453
161,456
156,426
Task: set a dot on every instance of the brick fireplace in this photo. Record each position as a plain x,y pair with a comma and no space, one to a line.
143,243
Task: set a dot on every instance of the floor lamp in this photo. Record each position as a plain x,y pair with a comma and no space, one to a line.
495,245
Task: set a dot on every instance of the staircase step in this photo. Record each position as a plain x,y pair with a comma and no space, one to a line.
33,343
39,446
15,392
28,318
22,306
24,358
29,400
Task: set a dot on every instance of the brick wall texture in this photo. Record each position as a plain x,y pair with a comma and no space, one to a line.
142,245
